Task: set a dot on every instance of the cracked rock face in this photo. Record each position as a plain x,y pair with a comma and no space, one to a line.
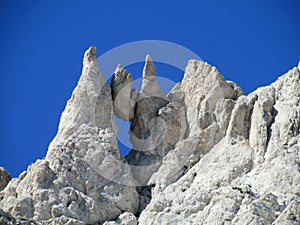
203,154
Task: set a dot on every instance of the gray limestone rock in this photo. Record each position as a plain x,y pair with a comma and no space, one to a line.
204,104
126,218
5,177
150,86
123,95
81,180
205,154
148,129
252,175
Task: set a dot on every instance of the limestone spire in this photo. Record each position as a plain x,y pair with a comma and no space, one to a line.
123,95
90,55
150,86
149,68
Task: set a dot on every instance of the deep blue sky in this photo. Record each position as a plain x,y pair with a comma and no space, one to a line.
42,44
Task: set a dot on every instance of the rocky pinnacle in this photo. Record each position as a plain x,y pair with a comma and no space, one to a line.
204,154
150,86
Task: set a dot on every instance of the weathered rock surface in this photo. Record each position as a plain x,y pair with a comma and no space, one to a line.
124,219
206,102
5,177
252,175
150,86
203,154
76,182
123,95
148,129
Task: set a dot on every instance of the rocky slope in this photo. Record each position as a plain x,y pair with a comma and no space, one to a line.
203,154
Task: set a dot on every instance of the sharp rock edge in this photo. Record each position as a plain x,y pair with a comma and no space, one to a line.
74,184
220,157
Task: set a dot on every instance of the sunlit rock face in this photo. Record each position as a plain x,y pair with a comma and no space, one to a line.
77,182
247,169
202,154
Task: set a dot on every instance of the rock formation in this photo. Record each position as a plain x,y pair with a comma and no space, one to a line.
203,154
248,171
124,97
75,183
5,177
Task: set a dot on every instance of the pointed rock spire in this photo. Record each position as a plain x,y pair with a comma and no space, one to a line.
119,69
90,55
85,99
149,68
83,166
120,79
123,95
150,86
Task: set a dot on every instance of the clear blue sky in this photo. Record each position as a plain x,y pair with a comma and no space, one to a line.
42,44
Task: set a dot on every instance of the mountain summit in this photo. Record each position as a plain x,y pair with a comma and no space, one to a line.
203,154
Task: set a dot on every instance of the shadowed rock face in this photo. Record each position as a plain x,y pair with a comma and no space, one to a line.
5,177
203,154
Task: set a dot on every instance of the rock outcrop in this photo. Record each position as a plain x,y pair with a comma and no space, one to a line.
206,102
76,182
150,86
203,154
5,177
148,130
123,95
249,172
124,219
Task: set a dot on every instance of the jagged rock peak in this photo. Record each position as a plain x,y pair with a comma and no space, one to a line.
119,69
83,170
123,95
150,85
120,79
201,77
83,106
90,55
149,68
254,177
207,154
